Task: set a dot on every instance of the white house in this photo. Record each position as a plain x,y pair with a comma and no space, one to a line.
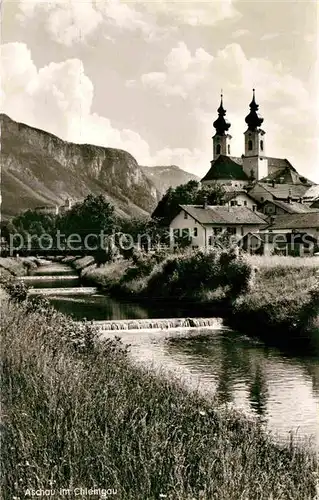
202,223
47,210
238,198
67,206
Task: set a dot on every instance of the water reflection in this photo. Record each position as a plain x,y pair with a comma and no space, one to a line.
282,391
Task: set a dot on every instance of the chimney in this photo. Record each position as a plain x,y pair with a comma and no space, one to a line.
205,202
289,199
273,182
272,219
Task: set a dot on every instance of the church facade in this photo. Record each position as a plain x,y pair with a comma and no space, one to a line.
254,167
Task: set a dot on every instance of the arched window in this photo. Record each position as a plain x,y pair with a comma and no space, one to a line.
218,148
261,145
228,149
250,145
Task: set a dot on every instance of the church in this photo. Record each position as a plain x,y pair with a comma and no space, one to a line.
265,177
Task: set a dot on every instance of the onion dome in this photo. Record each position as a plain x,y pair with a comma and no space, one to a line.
253,119
221,124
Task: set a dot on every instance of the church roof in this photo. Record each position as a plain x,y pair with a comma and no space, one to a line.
221,124
224,167
253,119
280,171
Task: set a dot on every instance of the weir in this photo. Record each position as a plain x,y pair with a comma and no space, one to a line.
85,290
158,324
49,277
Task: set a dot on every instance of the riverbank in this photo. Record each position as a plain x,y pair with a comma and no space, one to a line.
80,414
274,298
17,266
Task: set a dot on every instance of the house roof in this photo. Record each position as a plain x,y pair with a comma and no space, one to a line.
292,207
219,214
224,167
231,194
296,221
312,193
282,171
283,191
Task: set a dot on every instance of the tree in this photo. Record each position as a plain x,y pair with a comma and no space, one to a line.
91,216
186,194
146,232
33,223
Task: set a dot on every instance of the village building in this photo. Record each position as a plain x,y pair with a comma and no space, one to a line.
263,191
54,209
66,206
201,224
296,223
238,197
278,207
47,210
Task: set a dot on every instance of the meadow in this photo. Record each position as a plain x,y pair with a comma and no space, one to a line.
81,414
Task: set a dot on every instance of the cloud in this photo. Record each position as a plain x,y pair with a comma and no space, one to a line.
58,98
269,36
66,21
198,76
184,72
239,33
73,21
201,75
192,12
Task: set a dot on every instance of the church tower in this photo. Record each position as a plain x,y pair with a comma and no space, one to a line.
255,164
221,140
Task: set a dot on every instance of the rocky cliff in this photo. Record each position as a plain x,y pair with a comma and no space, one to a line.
169,176
38,168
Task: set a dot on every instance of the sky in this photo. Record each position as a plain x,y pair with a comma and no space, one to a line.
146,77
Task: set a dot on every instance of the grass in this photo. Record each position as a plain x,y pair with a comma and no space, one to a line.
79,415
283,300
275,261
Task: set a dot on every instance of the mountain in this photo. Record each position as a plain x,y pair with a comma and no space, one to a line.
38,168
170,176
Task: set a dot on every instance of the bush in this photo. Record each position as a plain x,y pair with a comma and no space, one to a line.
187,275
17,290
